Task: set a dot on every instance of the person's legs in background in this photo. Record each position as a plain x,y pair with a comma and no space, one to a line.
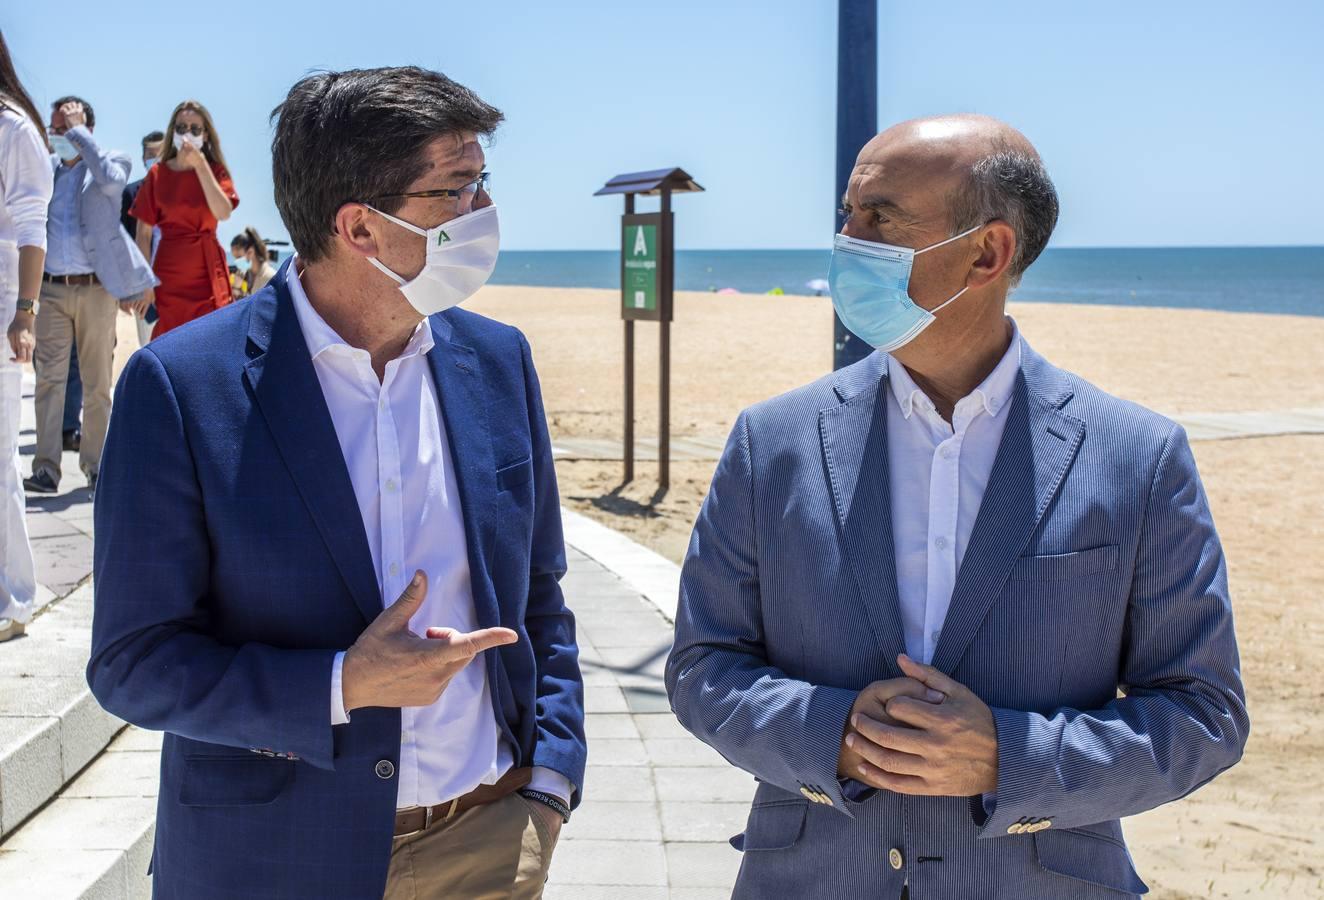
94,328
18,581
73,402
55,338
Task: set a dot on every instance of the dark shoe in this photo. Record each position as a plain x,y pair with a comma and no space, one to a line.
73,441
41,483
92,484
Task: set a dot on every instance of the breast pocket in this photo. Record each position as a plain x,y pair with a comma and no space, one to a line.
512,476
1064,566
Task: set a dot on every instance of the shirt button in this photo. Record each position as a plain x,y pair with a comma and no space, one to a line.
894,859
395,569
390,485
940,543
947,453
385,769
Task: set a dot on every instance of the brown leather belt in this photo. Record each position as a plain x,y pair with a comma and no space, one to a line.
420,818
82,280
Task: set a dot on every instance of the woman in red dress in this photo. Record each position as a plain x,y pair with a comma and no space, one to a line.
186,195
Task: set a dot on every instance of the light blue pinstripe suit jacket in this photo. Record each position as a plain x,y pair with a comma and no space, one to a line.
1093,567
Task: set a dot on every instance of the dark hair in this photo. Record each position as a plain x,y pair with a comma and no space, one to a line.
1012,185
87,108
249,239
12,94
345,137
153,137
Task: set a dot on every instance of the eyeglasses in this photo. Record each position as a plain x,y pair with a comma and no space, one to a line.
195,130
482,183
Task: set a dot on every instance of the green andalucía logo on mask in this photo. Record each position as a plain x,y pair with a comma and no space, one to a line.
442,237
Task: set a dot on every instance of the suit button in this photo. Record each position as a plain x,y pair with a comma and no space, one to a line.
385,769
894,859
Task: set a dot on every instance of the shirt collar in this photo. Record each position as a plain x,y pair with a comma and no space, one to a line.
993,392
321,337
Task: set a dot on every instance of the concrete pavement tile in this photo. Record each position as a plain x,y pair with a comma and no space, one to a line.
651,699
43,524
83,824
29,767
123,774
56,873
604,699
633,660
37,696
600,726
660,725
618,783
618,752
711,822
85,730
609,862
611,820
606,638
689,893
711,785
686,751
555,891
703,865
133,739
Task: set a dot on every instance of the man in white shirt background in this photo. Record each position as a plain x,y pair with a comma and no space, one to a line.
344,438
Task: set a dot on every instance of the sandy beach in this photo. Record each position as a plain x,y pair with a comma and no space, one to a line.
1255,832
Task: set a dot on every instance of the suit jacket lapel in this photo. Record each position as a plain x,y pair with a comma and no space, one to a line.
854,437
458,374
287,392
1039,443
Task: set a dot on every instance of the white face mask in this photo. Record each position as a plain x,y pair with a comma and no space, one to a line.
461,256
182,139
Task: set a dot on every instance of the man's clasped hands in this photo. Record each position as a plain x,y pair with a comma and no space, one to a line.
923,733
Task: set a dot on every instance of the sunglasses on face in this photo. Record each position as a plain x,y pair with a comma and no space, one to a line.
195,130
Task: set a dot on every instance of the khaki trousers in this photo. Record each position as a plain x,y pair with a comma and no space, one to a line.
501,851
85,313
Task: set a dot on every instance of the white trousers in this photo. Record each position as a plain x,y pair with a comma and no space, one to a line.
18,581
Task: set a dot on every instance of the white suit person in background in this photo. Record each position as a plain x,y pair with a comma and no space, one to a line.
25,192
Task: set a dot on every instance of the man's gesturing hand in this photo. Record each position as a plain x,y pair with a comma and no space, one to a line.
391,666
871,703
947,749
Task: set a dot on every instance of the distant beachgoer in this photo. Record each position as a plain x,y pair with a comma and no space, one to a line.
255,268
25,193
186,194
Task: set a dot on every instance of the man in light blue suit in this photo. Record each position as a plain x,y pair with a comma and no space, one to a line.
957,610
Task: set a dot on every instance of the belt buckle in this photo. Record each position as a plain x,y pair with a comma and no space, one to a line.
427,823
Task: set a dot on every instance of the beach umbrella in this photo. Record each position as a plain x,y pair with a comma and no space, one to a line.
818,285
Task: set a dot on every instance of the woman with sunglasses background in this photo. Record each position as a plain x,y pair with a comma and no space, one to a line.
186,195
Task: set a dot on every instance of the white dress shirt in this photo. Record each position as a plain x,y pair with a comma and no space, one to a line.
938,472
394,443
25,180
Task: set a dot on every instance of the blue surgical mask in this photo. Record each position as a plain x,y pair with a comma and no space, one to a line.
64,147
148,163
870,286
242,264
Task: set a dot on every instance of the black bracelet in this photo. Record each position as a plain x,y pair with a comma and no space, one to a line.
548,800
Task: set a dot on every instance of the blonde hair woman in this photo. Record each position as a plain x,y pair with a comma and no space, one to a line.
185,196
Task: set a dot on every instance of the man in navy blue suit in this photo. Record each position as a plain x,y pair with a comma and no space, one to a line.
329,543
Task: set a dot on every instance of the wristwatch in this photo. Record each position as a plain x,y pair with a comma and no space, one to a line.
26,305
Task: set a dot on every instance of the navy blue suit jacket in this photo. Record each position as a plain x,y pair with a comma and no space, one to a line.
231,564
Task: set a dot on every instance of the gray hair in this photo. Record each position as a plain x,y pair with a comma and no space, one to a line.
1012,185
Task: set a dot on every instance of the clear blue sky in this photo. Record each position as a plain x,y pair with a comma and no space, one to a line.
1174,123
